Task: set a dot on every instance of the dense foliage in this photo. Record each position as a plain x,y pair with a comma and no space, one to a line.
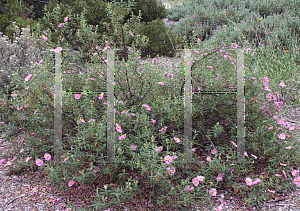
149,108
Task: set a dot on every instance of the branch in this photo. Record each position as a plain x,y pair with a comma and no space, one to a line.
181,91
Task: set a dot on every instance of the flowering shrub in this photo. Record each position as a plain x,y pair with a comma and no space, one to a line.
148,142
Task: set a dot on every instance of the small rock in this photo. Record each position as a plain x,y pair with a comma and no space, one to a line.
126,208
150,203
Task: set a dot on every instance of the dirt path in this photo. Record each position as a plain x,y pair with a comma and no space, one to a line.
170,4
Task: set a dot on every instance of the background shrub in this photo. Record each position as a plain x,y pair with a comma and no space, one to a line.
96,17
150,9
255,20
160,38
16,59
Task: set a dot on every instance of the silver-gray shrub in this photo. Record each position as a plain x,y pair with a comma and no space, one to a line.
16,58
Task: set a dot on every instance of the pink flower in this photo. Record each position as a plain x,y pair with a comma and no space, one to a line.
77,96
91,120
267,88
171,76
47,156
58,49
292,128
161,83
123,112
133,147
266,80
168,159
159,149
297,180
66,19
44,37
281,121
254,156
177,140
213,151
27,159
153,121
200,178
39,162
234,143
195,181
71,182
287,125
256,181
118,128
270,97
219,178
171,171
28,77
122,137
21,150
163,129
294,172
282,84
131,34
284,173
248,181
213,192
147,107
208,159
189,189
281,136
66,159
61,24
8,163
219,207
105,48
100,96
